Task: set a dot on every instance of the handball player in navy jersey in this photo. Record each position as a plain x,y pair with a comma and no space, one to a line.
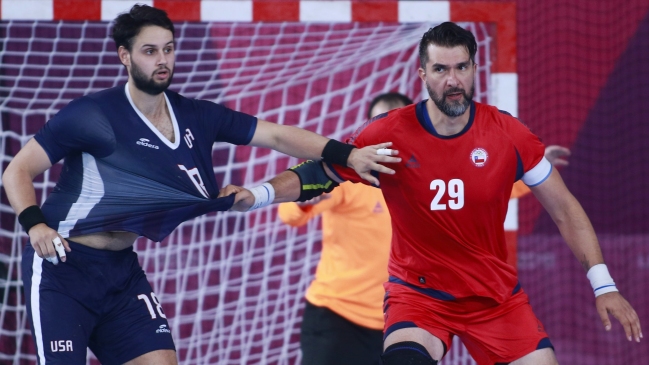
137,162
448,199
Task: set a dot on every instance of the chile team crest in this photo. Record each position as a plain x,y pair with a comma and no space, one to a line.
479,157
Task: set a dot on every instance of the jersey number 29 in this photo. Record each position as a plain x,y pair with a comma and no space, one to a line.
455,193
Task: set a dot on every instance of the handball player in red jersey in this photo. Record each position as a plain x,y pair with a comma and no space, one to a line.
448,198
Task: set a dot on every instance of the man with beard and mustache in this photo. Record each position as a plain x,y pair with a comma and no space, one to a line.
448,199
138,162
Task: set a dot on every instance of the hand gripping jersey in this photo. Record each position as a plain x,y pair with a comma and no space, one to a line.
448,198
121,174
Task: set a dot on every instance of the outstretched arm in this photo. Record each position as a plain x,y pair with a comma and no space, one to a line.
301,143
297,214
30,162
286,188
576,229
302,182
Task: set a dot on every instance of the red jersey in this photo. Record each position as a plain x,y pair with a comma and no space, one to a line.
449,196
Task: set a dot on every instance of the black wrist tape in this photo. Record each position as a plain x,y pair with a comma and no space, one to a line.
30,217
313,180
337,152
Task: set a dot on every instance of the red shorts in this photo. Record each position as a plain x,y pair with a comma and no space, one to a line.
493,333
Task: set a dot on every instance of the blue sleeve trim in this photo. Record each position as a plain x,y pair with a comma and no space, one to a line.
545,178
519,167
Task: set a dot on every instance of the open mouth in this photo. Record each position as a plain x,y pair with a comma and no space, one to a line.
162,74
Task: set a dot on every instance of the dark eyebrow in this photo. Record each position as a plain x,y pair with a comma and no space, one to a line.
465,63
154,46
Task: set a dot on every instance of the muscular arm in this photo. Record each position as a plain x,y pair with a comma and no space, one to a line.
301,143
576,229
571,219
17,180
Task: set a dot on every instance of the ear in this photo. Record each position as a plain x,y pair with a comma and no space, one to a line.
124,56
422,74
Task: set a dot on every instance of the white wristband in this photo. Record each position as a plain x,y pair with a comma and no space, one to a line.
601,280
264,195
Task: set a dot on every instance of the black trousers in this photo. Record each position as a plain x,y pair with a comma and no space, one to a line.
326,338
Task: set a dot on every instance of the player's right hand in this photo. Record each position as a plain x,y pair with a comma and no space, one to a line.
243,199
368,159
47,243
615,304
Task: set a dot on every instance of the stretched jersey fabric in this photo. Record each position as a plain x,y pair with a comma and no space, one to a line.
448,198
355,248
121,174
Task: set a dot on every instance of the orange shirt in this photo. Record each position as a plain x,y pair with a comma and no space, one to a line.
356,234
519,190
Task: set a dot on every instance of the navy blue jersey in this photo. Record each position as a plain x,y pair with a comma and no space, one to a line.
121,174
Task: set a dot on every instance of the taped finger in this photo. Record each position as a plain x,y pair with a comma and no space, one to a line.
53,260
384,152
58,246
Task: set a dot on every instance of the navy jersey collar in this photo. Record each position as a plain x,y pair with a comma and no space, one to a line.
424,120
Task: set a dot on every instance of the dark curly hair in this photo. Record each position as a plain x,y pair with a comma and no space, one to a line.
447,34
128,25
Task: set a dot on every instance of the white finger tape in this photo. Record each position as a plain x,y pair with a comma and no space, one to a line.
58,246
384,151
53,260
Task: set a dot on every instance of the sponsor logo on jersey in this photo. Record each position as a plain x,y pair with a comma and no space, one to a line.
412,162
479,157
145,142
378,208
163,329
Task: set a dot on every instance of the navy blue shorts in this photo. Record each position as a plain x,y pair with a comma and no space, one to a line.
98,299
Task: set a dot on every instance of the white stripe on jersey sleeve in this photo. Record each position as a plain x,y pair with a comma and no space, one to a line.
538,173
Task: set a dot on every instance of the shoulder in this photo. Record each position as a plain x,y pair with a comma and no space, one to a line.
198,105
501,118
84,111
107,96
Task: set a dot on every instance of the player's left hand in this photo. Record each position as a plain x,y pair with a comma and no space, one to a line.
369,158
615,304
243,199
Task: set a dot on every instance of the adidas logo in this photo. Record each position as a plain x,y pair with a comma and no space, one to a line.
145,142
378,208
163,329
412,162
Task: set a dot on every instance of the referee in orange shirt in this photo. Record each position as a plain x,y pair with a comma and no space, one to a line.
343,318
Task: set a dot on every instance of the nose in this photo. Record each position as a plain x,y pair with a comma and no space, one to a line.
451,80
163,59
